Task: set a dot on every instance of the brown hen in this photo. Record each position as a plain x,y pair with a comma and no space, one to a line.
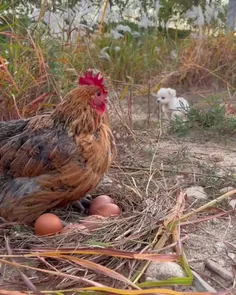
54,159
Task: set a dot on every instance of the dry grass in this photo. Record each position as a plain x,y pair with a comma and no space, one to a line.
204,62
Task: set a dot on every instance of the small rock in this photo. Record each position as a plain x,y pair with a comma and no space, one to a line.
158,271
196,192
225,190
215,221
219,246
117,136
232,203
221,173
216,157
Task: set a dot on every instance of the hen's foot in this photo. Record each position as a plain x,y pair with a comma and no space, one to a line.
83,204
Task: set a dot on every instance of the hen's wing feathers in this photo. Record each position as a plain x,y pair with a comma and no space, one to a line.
35,153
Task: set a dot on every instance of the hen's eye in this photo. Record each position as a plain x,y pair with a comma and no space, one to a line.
163,97
99,93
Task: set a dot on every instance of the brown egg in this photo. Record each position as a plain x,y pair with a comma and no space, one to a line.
108,210
98,202
47,224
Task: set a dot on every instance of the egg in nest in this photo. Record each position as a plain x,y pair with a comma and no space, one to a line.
47,224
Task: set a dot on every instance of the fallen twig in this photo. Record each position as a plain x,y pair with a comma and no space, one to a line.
216,268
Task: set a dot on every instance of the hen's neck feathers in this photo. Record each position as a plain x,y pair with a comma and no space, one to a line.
78,116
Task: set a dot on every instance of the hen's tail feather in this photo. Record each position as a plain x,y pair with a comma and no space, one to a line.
23,199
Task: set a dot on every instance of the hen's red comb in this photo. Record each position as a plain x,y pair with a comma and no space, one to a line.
90,79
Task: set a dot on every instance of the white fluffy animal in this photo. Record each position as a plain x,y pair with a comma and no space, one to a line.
171,105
